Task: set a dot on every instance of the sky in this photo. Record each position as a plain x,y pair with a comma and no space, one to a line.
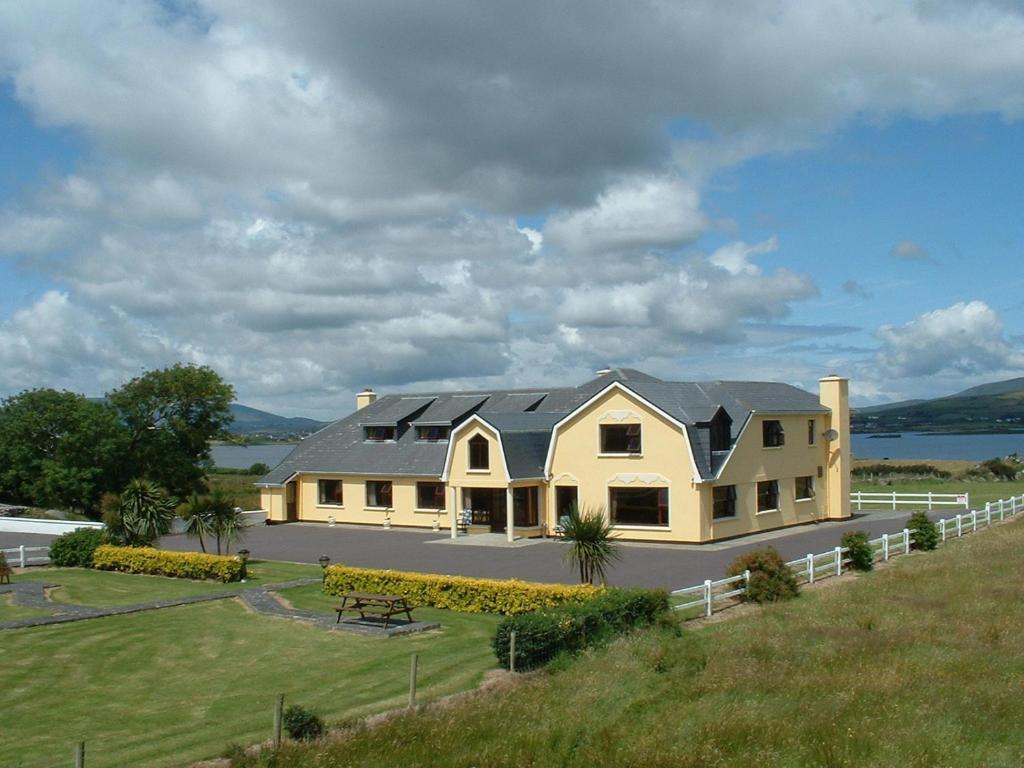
314,198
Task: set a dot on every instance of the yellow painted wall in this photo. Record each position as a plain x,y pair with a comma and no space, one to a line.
459,473
751,462
272,502
664,461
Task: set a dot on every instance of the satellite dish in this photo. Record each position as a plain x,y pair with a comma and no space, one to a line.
831,435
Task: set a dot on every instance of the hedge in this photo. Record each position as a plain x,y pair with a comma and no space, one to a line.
157,562
456,593
571,627
75,548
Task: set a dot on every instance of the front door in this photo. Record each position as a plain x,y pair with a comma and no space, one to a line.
488,506
291,508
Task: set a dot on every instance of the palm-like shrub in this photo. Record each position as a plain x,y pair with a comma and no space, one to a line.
198,517
923,532
140,515
227,520
862,554
591,549
770,581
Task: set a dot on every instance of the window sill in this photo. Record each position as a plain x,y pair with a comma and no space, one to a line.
642,527
378,509
772,447
371,442
330,506
809,498
620,455
430,511
723,519
478,471
768,512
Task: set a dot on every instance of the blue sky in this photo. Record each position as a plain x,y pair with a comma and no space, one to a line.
427,198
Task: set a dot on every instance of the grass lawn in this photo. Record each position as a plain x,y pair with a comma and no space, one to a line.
11,612
980,490
918,664
173,686
109,588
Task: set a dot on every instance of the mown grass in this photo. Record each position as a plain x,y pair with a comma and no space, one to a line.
11,612
102,589
172,686
917,664
979,490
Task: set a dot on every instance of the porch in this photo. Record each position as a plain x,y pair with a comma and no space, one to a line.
513,511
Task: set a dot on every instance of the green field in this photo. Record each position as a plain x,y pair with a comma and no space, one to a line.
247,496
980,490
918,664
172,686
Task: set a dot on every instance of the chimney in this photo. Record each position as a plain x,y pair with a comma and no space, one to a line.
365,398
835,395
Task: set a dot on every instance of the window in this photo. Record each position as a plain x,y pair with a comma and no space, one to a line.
479,453
379,434
566,499
432,434
378,493
329,492
773,434
810,432
616,438
768,496
804,488
719,432
639,506
725,502
524,506
429,495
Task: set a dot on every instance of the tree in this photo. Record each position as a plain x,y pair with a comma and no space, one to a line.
227,521
923,532
144,513
170,416
59,449
198,517
591,549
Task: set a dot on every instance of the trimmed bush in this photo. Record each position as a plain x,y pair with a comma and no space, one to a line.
771,580
571,627
75,548
924,534
156,562
862,554
456,593
302,725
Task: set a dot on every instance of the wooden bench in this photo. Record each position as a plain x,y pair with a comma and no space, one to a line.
367,603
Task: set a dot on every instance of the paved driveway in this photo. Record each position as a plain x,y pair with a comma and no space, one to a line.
644,565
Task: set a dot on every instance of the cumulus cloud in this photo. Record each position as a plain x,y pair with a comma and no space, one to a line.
908,250
967,337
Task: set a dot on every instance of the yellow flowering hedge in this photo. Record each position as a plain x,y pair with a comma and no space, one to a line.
158,562
456,593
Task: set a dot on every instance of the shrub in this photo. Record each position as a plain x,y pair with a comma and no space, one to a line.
571,627
770,579
456,593
5,569
924,534
862,554
1000,468
75,548
302,725
179,565
900,470
259,468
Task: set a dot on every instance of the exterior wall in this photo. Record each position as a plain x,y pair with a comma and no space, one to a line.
272,502
459,473
751,462
664,461
835,395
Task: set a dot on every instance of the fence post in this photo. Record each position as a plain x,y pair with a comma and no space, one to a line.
839,561
885,546
80,755
278,719
858,501
810,568
894,501
942,523
959,525
412,681
974,521
929,501
512,651
746,581
906,541
707,597
21,555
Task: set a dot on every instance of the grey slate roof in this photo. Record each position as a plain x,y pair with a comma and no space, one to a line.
525,419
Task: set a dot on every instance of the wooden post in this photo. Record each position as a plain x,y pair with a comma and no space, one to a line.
839,561
412,680
810,568
80,755
707,597
942,522
21,555
885,546
906,541
959,525
278,719
512,651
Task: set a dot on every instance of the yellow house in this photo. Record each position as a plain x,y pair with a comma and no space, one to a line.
664,461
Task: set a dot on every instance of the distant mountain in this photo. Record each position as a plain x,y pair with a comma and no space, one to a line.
994,407
251,421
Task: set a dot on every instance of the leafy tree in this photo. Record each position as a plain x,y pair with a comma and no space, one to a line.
59,449
170,416
591,549
771,580
862,554
143,513
923,532
259,468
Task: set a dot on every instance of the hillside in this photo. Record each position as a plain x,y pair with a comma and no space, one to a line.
256,423
994,407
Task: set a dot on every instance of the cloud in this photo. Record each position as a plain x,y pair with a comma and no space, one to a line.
908,250
853,288
967,337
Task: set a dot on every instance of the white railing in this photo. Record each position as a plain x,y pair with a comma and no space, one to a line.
23,556
894,500
48,527
814,567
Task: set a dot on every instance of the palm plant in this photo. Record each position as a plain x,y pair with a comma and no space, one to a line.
228,524
146,513
591,549
198,516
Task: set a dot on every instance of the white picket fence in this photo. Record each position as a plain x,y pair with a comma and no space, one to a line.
895,500
22,557
814,567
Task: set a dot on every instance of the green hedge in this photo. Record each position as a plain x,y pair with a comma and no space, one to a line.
75,548
456,593
570,628
157,562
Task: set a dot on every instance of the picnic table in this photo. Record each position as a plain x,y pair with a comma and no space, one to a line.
367,603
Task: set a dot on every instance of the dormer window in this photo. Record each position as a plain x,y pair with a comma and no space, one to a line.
379,434
479,453
772,434
432,434
620,438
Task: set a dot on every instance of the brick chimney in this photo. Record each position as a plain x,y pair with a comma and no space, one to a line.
365,398
835,395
